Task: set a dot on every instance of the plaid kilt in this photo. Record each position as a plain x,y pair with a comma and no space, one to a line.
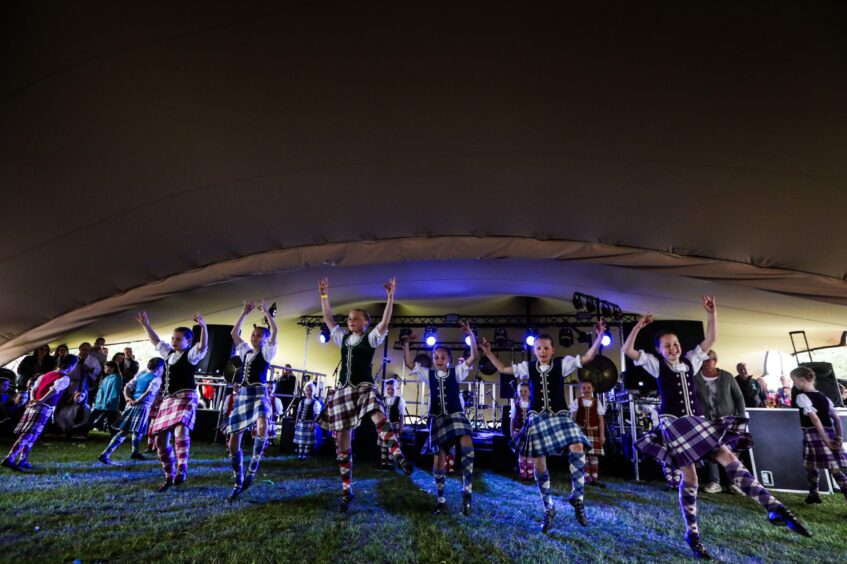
134,419
681,441
34,418
397,430
347,406
444,431
251,403
817,454
593,436
548,434
304,433
180,407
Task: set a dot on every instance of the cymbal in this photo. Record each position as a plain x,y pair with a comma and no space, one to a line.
232,371
601,372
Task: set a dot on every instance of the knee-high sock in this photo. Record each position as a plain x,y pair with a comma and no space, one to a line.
19,446
577,467
136,442
688,504
116,441
237,461
386,433
813,477
592,466
383,455
258,449
27,447
750,486
345,466
467,468
841,479
182,446
543,481
440,479
166,457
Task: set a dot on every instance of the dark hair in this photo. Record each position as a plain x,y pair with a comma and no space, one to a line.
658,338
424,360
265,331
155,363
586,381
523,383
445,349
111,364
186,332
56,350
803,373
68,361
545,336
117,354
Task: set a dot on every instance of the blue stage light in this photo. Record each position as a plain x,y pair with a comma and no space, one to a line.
606,340
324,336
430,336
530,336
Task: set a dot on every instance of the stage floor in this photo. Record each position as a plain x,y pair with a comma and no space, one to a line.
73,508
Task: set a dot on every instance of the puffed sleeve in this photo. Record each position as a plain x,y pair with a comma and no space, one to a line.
649,362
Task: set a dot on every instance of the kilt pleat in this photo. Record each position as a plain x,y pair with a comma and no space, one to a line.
347,406
445,431
34,419
686,440
818,454
176,409
548,434
304,433
251,403
134,419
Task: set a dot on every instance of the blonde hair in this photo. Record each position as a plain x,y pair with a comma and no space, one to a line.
803,373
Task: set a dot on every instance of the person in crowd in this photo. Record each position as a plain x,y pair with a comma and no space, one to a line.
99,351
84,376
751,389
32,366
395,411
285,388
130,365
7,377
842,389
590,414
823,438
783,394
252,406
178,409
550,429
355,397
107,404
47,390
73,414
719,396
307,414
61,350
139,394
518,416
684,436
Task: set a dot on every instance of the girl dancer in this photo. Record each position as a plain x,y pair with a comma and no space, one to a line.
252,406
518,418
447,421
139,394
307,414
590,416
685,437
355,396
179,404
550,429
395,409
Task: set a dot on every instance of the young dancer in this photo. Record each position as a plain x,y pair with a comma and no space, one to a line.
307,414
589,414
550,430
45,394
684,437
355,396
139,394
107,402
823,443
252,405
519,414
447,421
395,411
179,404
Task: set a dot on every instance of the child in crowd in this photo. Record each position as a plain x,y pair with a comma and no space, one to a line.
550,430
139,393
395,411
107,402
519,414
307,413
823,443
589,414
447,421
178,409
45,394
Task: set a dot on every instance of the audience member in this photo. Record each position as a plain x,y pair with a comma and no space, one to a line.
751,389
38,363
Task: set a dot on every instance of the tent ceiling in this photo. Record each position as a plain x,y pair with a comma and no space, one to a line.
140,142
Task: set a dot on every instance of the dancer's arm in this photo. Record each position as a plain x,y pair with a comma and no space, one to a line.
326,309
599,330
711,324
144,320
390,287
629,345
236,329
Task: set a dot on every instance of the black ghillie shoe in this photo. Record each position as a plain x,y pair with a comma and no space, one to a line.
24,465
104,459
579,511
7,463
248,481
181,477
137,456
696,544
166,486
236,490
813,498
346,499
466,504
440,508
547,521
784,516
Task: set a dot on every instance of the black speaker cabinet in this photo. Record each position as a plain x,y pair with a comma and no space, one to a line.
220,349
825,381
690,334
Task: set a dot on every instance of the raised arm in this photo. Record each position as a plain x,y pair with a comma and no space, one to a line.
263,307
486,350
466,327
144,320
236,329
204,334
599,330
326,309
629,344
390,286
711,324
408,356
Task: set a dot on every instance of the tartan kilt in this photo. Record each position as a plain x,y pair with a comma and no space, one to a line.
444,431
817,454
347,406
134,419
548,434
593,436
251,403
179,408
397,430
685,440
34,419
304,433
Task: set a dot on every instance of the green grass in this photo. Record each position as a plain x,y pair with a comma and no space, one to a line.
73,508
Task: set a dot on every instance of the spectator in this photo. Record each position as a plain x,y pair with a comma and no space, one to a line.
38,363
73,417
6,399
754,395
719,396
61,352
285,387
783,395
130,365
100,352
108,401
84,376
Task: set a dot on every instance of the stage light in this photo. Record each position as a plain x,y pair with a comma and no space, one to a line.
606,309
501,337
430,336
578,302
583,337
530,336
591,305
325,335
566,337
606,339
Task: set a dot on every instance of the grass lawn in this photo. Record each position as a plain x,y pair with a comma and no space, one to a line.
70,507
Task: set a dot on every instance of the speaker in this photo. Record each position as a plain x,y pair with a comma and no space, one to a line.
825,381
508,386
690,334
220,349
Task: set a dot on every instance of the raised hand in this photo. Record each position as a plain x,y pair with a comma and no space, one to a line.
466,327
644,321
198,319
248,307
142,318
600,328
709,304
485,346
390,286
323,285
262,306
